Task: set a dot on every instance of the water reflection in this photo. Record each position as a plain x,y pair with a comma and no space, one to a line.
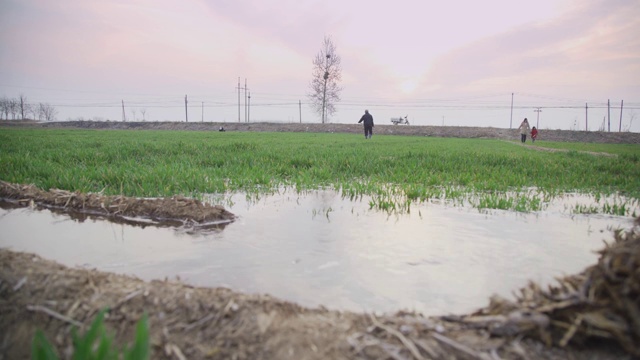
320,249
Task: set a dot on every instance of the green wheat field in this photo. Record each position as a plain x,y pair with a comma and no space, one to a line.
392,171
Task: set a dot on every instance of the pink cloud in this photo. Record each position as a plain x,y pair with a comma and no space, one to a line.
572,52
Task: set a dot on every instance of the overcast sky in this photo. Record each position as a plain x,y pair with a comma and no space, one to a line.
456,61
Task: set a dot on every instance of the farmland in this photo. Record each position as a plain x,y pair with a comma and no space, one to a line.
395,171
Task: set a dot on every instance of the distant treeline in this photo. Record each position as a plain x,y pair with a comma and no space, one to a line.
20,109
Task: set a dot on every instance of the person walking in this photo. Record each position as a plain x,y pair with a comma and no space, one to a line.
524,130
534,134
368,124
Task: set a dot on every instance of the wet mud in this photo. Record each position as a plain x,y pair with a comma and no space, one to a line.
175,211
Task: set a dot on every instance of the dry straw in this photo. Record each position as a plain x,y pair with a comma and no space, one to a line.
601,302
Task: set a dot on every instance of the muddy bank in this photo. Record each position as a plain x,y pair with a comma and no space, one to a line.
380,128
591,315
173,211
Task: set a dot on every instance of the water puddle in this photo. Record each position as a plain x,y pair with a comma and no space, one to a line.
320,249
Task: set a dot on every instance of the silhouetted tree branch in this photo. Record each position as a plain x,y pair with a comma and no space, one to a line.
325,82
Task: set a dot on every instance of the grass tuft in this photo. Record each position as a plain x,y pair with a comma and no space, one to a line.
96,343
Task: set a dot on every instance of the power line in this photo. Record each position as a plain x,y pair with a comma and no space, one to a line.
283,100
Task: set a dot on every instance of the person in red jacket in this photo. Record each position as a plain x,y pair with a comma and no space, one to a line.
534,134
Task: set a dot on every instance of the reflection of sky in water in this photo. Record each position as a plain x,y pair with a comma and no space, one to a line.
318,249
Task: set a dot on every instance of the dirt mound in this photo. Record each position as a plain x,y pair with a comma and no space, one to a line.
601,302
202,323
174,211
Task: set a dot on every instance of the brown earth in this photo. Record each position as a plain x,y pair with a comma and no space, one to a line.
592,315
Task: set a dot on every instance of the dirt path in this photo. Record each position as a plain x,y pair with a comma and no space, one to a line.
539,148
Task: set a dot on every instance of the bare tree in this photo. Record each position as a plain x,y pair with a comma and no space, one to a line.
22,106
48,112
632,117
143,111
28,111
325,84
13,108
133,111
21,109
35,111
5,107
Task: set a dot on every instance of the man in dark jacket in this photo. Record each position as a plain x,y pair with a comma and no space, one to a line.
368,124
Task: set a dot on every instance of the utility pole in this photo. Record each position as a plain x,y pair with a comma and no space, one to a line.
202,111
186,114
22,106
245,99
511,120
609,115
300,109
586,117
538,119
124,116
249,108
620,126
238,98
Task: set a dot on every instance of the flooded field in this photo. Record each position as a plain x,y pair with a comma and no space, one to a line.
320,249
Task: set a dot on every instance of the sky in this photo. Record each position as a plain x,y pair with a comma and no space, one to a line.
457,62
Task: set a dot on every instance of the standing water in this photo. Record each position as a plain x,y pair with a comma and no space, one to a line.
320,249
